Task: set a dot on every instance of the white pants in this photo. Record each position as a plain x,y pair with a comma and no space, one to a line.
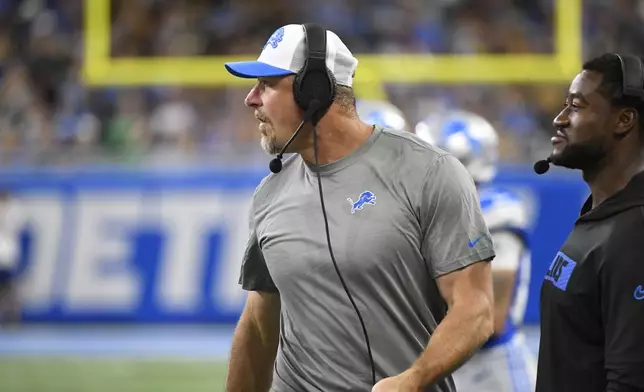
509,367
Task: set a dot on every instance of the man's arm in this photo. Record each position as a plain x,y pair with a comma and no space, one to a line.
622,301
255,342
468,324
254,346
458,247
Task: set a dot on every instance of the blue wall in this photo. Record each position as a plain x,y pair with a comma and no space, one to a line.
112,245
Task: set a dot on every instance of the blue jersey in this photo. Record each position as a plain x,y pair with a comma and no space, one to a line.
506,211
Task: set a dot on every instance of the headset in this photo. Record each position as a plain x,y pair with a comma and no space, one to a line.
314,93
632,86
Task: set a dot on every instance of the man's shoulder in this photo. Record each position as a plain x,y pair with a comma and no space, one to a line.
413,156
413,146
623,232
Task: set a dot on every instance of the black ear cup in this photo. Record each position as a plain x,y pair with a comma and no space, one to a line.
314,82
316,86
632,76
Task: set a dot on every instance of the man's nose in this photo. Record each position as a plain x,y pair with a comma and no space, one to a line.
252,99
561,120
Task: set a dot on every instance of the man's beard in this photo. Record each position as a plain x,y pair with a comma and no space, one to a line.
581,156
270,145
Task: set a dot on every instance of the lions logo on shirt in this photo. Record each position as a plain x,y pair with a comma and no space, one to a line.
366,197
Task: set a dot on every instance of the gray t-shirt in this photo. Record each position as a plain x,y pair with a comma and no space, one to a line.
401,213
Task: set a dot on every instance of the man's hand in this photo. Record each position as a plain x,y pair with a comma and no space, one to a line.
408,381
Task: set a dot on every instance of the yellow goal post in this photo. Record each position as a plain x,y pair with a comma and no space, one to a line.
374,70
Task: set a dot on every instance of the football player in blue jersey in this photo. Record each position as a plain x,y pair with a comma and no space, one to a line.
504,363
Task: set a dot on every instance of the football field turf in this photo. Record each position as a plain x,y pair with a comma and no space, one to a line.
114,358
121,359
111,375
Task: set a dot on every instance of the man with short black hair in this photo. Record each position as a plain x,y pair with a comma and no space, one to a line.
592,297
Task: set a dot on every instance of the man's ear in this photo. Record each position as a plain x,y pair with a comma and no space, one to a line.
626,122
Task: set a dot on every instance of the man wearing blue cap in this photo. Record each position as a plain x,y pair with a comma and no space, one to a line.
408,237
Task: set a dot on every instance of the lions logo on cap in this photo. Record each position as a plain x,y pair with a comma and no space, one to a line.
276,38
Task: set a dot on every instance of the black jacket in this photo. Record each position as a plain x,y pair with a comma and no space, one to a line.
592,301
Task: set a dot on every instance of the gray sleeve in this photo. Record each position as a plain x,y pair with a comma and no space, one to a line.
454,232
254,275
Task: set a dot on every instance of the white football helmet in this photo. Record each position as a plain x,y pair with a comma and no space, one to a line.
382,113
467,136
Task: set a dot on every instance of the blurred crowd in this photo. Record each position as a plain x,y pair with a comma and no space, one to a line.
48,116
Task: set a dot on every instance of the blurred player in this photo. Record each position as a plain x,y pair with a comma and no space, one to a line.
504,363
382,113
